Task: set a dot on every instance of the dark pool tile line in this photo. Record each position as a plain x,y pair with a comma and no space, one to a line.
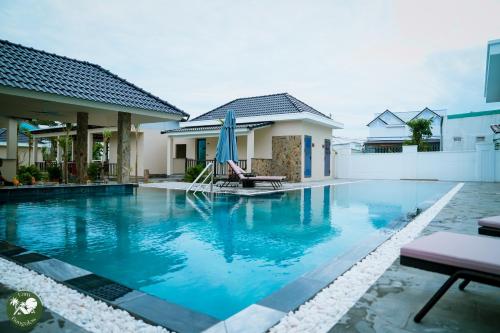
26,258
148,308
24,193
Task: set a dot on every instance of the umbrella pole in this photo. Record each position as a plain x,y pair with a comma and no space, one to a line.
214,169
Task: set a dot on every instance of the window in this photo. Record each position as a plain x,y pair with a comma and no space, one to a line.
457,139
180,151
480,138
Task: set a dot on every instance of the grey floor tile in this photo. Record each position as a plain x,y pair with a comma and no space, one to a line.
58,270
253,319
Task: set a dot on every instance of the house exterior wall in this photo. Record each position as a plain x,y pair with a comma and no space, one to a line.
154,156
318,135
468,129
393,129
264,149
23,154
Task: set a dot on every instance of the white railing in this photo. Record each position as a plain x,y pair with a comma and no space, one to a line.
195,186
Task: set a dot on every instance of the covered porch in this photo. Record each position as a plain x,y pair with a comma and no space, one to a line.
37,85
190,146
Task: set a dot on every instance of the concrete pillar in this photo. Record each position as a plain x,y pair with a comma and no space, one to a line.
123,150
250,149
170,147
90,146
58,150
11,139
35,150
82,128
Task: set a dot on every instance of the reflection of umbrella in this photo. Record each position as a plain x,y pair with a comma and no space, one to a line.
226,147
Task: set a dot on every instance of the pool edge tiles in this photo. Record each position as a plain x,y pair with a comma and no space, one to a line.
36,192
150,309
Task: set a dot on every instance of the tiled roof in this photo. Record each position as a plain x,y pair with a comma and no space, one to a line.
217,127
260,106
27,68
21,137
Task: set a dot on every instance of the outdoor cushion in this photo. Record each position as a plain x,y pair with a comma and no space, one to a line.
479,253
266,178
490,222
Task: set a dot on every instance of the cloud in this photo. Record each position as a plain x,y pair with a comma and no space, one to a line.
351,59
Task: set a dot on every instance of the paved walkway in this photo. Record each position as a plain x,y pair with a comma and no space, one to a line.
50,321
390,304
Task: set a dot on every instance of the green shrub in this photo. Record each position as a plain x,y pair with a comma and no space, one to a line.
54,173
193,172
25,174
94,171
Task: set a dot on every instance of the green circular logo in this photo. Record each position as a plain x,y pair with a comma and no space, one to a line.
24,309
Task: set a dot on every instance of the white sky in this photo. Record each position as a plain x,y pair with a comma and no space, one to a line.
348,58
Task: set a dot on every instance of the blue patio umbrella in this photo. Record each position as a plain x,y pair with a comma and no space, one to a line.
226,147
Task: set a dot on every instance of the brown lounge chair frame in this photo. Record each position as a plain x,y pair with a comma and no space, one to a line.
455,274
248,179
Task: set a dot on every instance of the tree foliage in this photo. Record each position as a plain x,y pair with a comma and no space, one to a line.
421,129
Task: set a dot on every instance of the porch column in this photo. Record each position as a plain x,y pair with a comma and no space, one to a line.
35,150
82,128
170,146
250,149
123,150
90,146
58,150
11,139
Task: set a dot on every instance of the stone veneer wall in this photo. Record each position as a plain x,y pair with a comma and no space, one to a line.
262,166
287,157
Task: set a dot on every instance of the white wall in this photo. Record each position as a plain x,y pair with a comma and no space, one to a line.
479,165
23,154
468,129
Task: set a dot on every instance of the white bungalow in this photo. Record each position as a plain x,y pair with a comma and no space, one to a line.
276,135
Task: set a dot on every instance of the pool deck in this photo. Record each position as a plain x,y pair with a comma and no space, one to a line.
260,188
390,304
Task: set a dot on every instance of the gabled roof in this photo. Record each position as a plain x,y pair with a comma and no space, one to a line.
27,68
217,127
382,120
259,106
405,117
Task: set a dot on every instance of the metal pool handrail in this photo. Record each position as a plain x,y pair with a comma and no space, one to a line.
209,165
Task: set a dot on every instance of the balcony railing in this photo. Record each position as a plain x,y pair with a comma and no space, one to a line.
109,168
221,169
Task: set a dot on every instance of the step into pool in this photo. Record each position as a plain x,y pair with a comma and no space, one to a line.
215,256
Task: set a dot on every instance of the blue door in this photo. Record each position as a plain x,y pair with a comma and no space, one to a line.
201,150
307,156
327,157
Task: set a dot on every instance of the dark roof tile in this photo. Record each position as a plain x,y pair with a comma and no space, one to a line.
259,106
27,68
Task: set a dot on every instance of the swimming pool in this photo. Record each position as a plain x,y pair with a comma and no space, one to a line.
213,256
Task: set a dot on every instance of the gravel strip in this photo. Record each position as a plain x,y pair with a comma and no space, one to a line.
92,315
322,312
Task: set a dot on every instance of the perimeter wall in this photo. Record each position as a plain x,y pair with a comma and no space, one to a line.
482,164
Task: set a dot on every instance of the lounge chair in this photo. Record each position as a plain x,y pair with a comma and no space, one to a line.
249,179
489,226
467,257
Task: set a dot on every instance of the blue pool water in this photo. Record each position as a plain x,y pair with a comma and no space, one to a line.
214,257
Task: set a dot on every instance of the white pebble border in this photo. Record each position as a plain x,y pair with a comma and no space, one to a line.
92,315
322,312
